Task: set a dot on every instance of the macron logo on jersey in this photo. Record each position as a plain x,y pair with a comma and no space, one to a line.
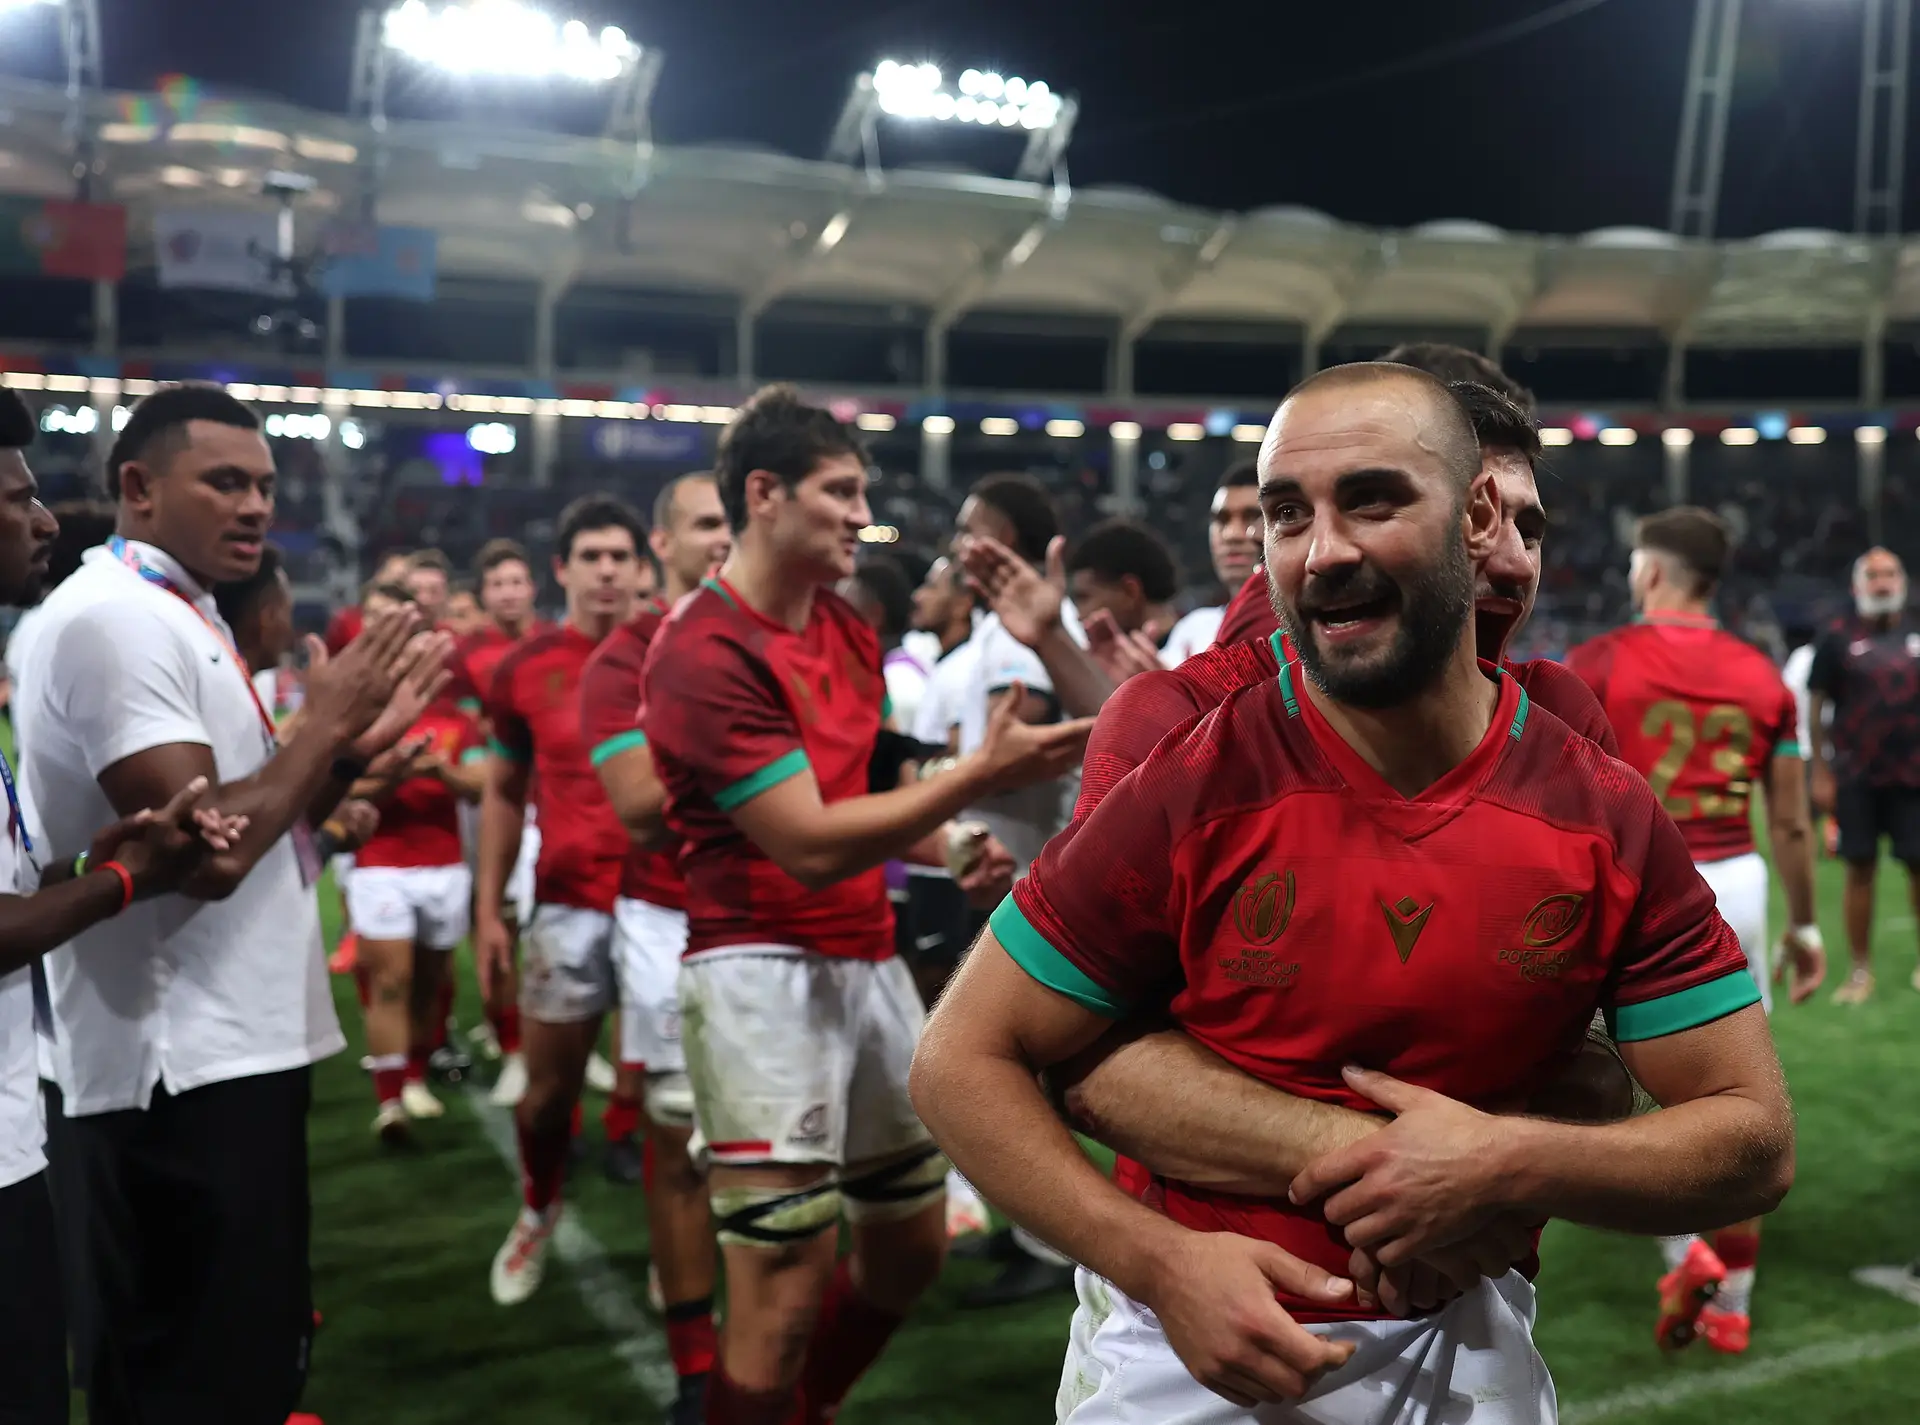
1406,918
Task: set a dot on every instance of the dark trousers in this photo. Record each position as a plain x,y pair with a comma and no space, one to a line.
33,1326
185,1228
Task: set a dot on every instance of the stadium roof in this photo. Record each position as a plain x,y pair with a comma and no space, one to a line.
556,209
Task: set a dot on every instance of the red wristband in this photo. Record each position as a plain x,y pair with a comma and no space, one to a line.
126,881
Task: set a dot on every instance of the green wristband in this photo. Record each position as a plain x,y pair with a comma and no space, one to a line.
80,865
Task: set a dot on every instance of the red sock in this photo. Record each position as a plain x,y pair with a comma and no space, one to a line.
573,1127
621,1118
417,1060
506,1028
442,1011
1737,1247
690,1338
848,1336
543,1165
363,985
728,1404
646,1163
389,1073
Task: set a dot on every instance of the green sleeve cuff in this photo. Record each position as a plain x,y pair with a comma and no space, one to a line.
771,775
1689,1009
473,755
469,706
886,706
1790,749
500,749
1032,952
615,745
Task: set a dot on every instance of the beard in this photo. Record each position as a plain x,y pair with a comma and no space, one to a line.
1433,610
1878,605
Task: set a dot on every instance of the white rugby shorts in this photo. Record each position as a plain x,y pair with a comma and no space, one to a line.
1473,1363
428,905
648,943
1740,889
567,972
799,1058
520,880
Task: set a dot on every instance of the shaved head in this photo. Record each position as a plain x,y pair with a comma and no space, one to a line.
1439,425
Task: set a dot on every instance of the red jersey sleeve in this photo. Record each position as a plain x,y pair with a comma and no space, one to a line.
1561,690
1249,613
721,717
461,689
610,698
1679,964
1784,728
1141,711
512,736
343,628
1093,919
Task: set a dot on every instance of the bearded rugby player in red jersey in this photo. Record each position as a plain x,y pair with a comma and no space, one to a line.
1374,774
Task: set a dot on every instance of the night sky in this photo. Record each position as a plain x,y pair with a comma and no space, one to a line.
1377,111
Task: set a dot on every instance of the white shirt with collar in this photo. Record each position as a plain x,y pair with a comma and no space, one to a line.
173,991
23,1128
1195,633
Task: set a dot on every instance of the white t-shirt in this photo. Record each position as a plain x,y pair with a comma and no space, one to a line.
174,991
1799,667
1026,820
23,1128
1195,633
946,689
906,685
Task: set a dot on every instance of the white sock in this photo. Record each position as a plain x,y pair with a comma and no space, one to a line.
1736,1292
1673,1250
1034,1247
960,1191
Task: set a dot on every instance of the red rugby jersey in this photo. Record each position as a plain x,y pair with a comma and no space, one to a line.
1249,613
344,627
419,823
610,723
1307,916
534,710
475,660
1701,714
737,703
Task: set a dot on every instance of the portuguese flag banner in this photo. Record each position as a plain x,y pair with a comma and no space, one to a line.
43,237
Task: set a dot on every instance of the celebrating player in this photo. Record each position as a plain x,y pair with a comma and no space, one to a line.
568,981
1706,718
1351,803
764,706
410,897
689,538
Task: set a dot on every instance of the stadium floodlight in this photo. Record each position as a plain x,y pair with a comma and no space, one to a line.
504,40
917,93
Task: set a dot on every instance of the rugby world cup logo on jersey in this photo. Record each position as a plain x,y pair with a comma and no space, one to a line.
1262,909
1547,924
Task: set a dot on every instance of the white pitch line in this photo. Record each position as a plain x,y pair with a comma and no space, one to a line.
638,1342
1823,1356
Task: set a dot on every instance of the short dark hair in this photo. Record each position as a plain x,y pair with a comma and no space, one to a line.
886,583
1456,363
83,524
387,589
669,492
1114,549
237,599
1697,539
592,512
17,425
1498,422
778,432
1025,504
496,552
158,422
1241,472
431,559
463,586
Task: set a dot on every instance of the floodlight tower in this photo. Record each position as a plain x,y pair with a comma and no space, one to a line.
915,94
80,48
1880,151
